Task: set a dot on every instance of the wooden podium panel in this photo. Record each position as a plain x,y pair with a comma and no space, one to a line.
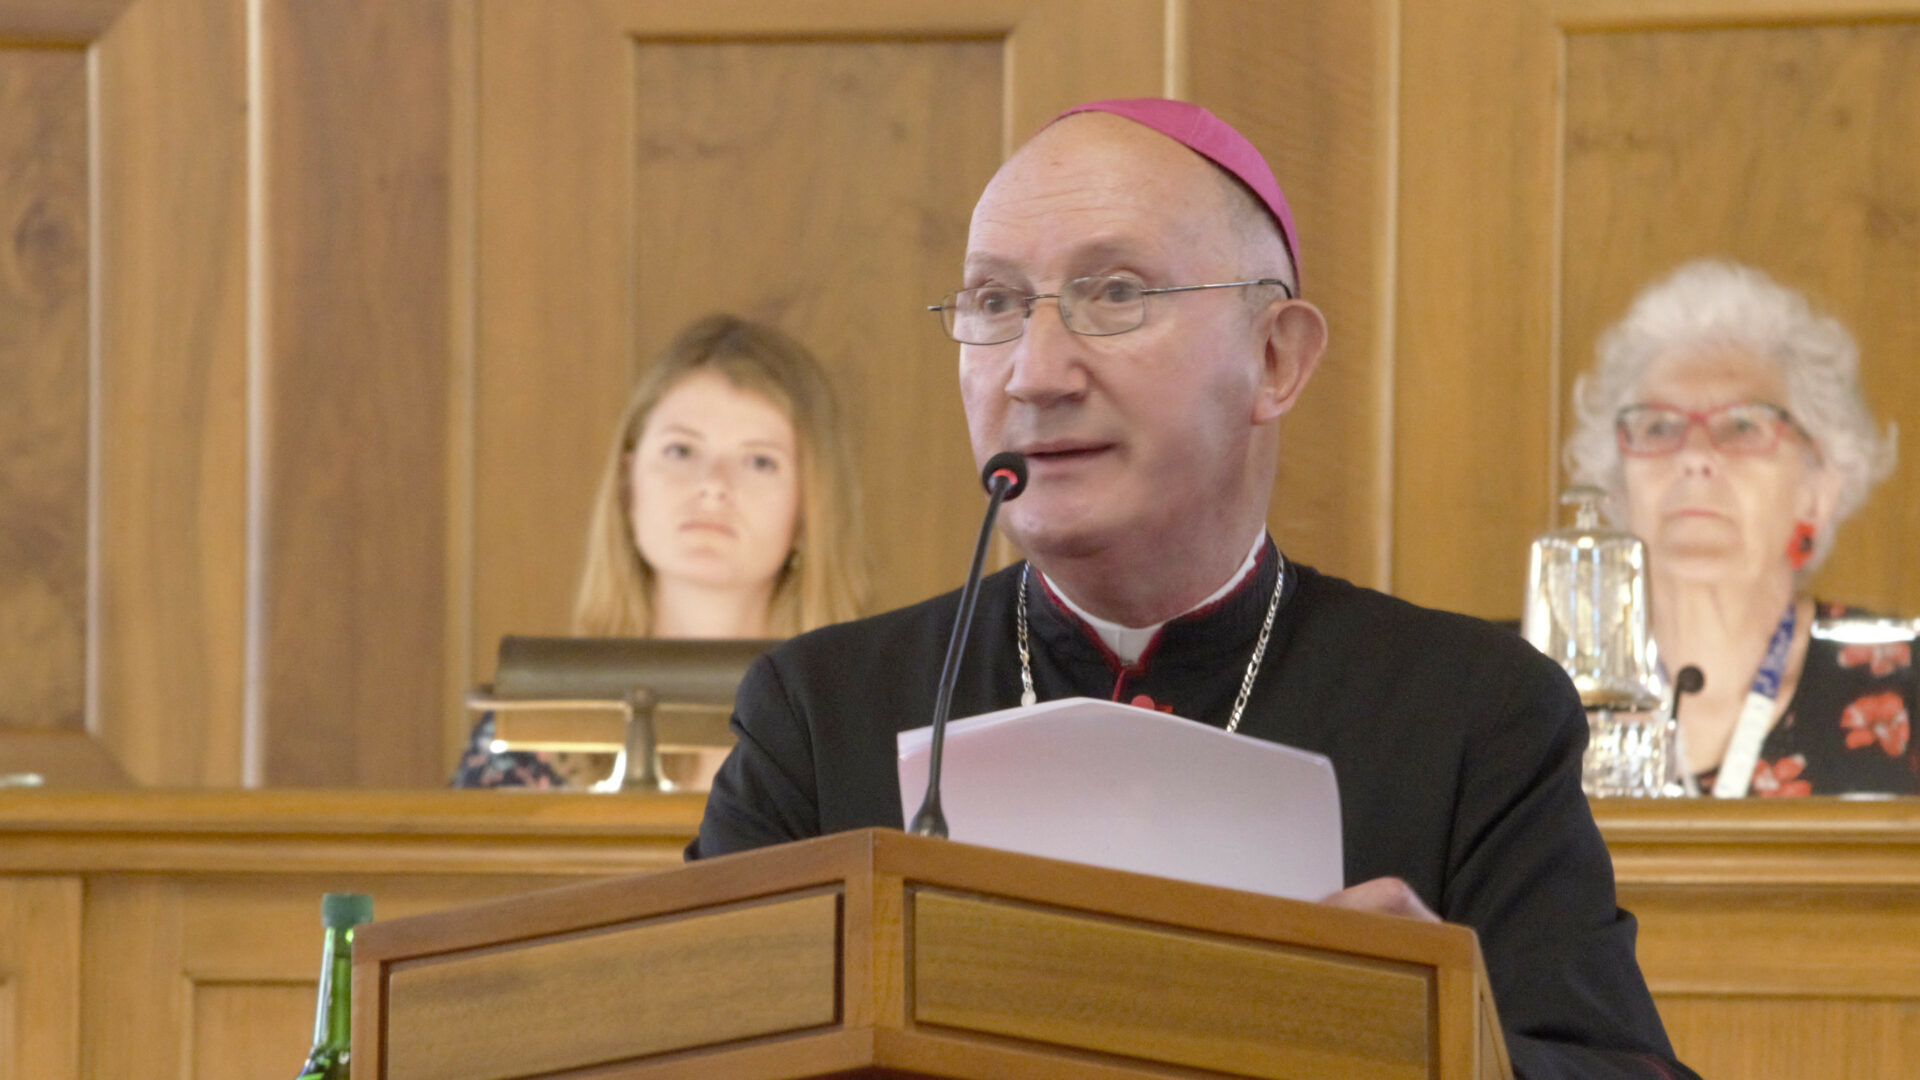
1191,999
660,986
874,953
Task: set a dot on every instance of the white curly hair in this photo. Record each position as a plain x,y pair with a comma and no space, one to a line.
1715,302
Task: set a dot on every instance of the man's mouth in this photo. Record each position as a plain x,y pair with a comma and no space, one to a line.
1063,450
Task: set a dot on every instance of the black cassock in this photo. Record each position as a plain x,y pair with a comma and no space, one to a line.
1456,744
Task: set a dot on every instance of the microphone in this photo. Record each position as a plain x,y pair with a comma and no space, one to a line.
1688,681
1005,477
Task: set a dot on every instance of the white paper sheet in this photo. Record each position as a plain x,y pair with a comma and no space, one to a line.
1118,786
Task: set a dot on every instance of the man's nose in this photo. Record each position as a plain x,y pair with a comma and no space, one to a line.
1048,361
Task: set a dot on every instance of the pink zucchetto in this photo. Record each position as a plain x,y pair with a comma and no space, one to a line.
1214,139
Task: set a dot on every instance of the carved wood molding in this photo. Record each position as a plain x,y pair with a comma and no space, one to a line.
57,22
1645,14
376,833
1798,842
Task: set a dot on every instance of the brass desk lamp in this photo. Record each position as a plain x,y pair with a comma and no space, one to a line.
632,697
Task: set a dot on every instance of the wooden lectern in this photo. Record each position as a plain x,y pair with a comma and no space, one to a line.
878,954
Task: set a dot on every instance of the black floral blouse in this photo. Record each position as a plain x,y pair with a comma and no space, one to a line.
1849,725
480,767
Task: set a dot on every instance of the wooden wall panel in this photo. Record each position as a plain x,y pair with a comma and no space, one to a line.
474,219
1473,437
56,22
247,1030
1780,937
818,186
1311,86
353,498
815,166
250,954
198,912
1582,149
552,336
1808,1038
43,388
40,978
1787,147
215,975
137,921
1063,52
172,389
269,366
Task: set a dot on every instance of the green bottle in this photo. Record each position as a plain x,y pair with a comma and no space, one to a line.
339,913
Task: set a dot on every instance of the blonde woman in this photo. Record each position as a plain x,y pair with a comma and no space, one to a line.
727,508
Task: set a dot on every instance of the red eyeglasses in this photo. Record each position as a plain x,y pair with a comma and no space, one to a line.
1744,427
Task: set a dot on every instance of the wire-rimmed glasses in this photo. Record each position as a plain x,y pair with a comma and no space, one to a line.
1098,306
1655,429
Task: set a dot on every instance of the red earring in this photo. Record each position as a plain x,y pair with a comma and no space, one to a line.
1800,548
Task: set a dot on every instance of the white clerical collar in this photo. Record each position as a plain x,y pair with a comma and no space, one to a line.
1128,642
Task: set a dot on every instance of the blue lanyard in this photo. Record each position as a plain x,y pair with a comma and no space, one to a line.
1756,716
1773,666
1766,681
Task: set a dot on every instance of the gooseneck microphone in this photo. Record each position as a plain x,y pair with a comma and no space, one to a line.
1005,477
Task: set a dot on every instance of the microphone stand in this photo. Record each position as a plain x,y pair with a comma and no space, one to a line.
1006,476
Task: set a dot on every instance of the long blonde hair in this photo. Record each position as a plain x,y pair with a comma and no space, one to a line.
825,579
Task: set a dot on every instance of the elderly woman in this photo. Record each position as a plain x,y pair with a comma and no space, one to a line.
726,508
1725,419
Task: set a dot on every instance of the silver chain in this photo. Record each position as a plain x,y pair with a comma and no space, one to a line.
1259,652
1027,696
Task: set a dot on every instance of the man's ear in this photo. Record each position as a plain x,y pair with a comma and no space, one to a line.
1296,339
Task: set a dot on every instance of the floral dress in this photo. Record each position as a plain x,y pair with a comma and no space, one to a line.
1849,726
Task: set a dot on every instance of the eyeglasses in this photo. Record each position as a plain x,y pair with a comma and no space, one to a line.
1744,427
1094,306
